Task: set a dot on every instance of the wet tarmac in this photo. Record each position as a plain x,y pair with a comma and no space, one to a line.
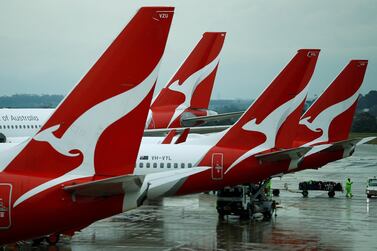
191,222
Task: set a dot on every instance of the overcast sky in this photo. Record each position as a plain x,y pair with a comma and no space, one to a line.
47,46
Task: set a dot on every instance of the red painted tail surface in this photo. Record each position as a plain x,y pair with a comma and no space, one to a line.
97,128
287,132
192,84
286,94
329,118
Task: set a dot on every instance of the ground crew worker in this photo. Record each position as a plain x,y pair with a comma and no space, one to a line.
349,188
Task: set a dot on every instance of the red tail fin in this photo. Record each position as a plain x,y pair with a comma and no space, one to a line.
329,118
104,116
261,122
288,130
192,84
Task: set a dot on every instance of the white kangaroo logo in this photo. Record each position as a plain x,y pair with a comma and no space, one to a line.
84,132
270,125
188,87
323,120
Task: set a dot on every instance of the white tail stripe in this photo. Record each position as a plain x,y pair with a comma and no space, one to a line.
324,119
270,125
188,87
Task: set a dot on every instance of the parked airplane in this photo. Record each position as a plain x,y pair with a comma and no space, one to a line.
17,125
83,142
234,156
81,155
186,96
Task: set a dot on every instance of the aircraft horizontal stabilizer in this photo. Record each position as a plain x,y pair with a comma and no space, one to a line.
318,148
348,145
295,155
166,183
365,140
344,144
289,154
108,187
197,130
339,145
210,118
154,184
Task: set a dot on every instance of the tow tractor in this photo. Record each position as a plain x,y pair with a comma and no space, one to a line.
245,201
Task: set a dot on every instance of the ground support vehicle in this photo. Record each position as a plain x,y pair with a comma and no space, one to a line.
371,189
246,201
329,186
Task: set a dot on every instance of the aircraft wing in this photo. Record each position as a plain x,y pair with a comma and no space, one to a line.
210,118
197,130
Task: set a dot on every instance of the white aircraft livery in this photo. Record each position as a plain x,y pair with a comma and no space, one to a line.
19,124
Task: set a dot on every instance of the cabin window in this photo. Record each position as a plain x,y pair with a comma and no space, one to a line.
28,126
154,165
189,165
1,127
141,164
182,165
175,165
161,165
12,126
168,165
24,126
8,127
148,165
